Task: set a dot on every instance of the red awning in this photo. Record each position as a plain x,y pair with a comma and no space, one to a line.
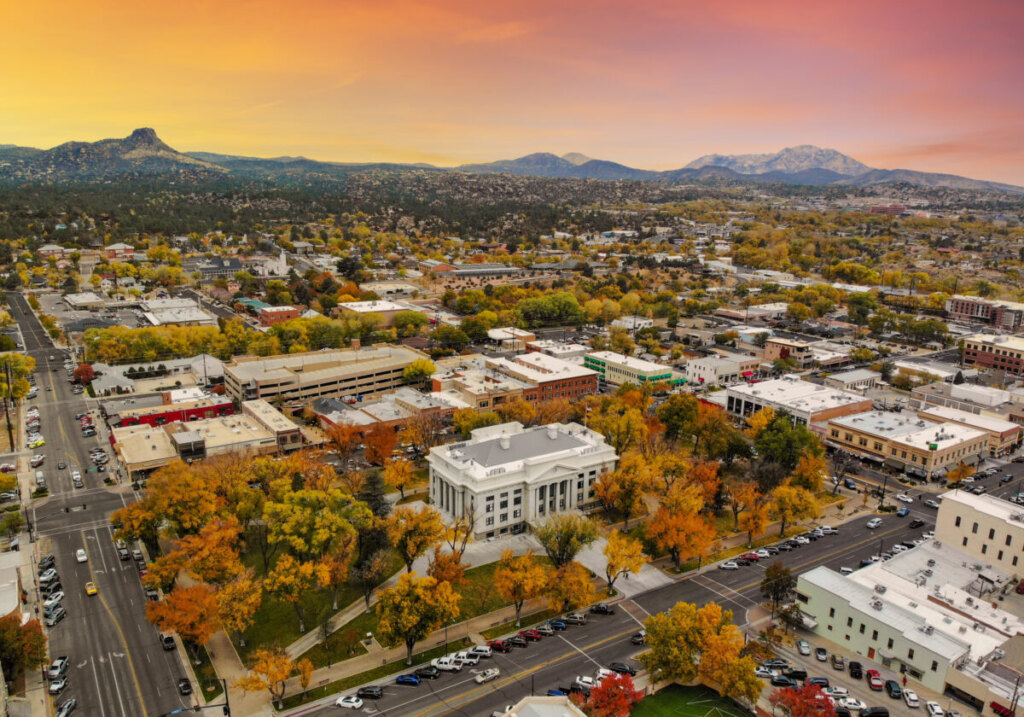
748,374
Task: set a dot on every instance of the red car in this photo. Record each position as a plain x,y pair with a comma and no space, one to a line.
531,635
1020,588
875,681
751,556
499,646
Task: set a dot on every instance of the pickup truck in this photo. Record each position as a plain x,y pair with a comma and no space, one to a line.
446,664
491,673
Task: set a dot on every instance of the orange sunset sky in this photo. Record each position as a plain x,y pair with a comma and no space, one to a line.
930,85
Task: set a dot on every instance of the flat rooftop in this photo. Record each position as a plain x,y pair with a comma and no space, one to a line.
883,423
268,415
190,315
998,508
858,374
791,392
1006,342
365,307
638,365
321,364
540,368
974,420
941,436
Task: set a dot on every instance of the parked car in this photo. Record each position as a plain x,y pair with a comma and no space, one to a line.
427,671
874,523
58,614
349,702
622,668
821,654
557,624
803,647
782,681
447,664
753,557
838,662
409,679
531,635
58,667
916,523
373,692
853,704
499,646
729,565
576,618
821,682
545,630
934,709
875,680
517,641
893,689
602,608
67,707
58,685
911,698
855,669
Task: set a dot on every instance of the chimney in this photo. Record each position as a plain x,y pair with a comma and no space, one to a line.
504,442
552,432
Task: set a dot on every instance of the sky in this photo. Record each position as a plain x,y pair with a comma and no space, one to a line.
932,85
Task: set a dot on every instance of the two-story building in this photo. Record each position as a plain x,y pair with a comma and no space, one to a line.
507,476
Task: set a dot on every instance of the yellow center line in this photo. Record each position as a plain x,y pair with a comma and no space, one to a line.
120,632
460,698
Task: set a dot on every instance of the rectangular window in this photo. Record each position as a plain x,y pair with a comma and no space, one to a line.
964,544
889,644
504,517
874,635
862,628
1014,561
849,622
910,654
490,520
935,666
1000,556
957,521
489,508
991,533
1008,541
984,548
974,528
517,514
831,612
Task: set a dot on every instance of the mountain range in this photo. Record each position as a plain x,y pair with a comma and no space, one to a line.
143,153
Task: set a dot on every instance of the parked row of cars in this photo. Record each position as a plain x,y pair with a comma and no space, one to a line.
771,551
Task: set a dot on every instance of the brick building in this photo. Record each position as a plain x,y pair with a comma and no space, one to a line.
1001,353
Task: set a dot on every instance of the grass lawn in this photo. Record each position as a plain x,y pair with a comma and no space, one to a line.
275,623
210,686
478,597
688,702
331,688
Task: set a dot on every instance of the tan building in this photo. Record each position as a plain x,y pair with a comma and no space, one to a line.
300,378
386,310
987,528
908,443
799,351
1004,436
806,402
289,436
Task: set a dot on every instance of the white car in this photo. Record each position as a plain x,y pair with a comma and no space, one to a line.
852,704
80,555
586,682
910,697
934,709
763,672
845,571
803,647
54,599
801,540
904,498
837,691
874,523
728,565
899,548
349,701
968,479
928,535
762,554
491,673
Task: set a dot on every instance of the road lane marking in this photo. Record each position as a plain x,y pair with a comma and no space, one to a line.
124,641
580,651
117,687
99,694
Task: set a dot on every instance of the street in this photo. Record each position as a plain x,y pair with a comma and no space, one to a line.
557,660
118,667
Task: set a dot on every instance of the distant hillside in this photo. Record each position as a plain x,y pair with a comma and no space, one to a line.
141,152
926,179
790,160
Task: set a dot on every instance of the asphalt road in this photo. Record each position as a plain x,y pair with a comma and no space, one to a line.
557,660
118,667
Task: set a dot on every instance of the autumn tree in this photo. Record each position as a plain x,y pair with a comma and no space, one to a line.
807,700
415,607
570,587
22,646
687,643
810,472
180,498
419,371
758,421
311,523
754,520
371,571
959,472
520,578
683,534
614,696
624,488
270,671
446,567
412,532
423,431
623,555
379,442
344,437
291,580
237,603
677,414
191,611
398,474
790,503
84,373
467,420
782,441
564,535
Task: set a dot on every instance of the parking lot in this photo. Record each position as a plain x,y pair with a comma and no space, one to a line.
54,305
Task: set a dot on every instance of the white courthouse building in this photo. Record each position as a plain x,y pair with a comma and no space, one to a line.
507,476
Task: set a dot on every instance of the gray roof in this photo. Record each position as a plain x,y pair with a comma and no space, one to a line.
521,446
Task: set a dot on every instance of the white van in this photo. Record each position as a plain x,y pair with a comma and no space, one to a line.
40,479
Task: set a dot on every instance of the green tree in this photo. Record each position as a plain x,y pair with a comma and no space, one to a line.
409,323
783,442
777,585
564,535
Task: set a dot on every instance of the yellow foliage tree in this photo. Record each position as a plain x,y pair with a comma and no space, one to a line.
758,421
790,503
414,608
810,472
520,578
623,555
570,587
398,474
237,603
270,671
413,532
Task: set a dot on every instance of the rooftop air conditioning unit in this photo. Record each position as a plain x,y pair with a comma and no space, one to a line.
876,604
880,589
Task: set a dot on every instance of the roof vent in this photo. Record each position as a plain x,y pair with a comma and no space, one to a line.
880,589
504,442
876,604
552,432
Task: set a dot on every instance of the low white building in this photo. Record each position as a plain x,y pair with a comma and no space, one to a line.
713,371
806,402
632,323
507,476
860,378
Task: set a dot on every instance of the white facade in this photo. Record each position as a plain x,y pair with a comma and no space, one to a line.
985,527
806,402
712,371
506,476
